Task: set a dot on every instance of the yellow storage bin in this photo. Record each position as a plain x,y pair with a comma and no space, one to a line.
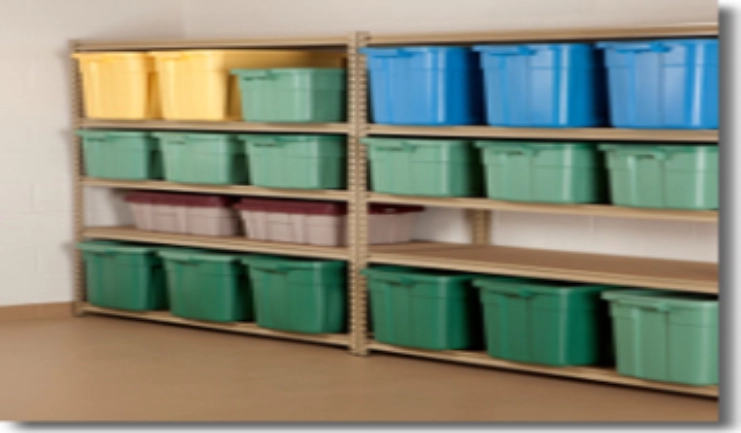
118,85
197,85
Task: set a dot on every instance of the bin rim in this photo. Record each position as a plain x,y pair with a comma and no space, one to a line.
415,274
196,135
290,263
306,207
373,141
492,144
642,43
195,255
85,132
239,71
115,247
540,287
494,48
671,298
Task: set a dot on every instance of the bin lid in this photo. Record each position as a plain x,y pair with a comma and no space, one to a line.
115,247
106,133
194,200
381,208
292,206
208,201
282,263
665,298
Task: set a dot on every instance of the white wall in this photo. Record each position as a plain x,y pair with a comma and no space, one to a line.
226,18
217,18
36,225
35,168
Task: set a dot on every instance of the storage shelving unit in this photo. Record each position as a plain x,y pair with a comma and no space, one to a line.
478,256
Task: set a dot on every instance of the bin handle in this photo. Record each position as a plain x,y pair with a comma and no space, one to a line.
655,46
642,154
394,281
521,293
401,146
255,74
386,52
519,50
183,260
661,307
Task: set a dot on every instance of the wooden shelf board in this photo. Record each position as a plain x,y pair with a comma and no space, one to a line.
220,243
241,190
171,125
702,29
567,266
582,134
191,44
585,373
578,209
238,327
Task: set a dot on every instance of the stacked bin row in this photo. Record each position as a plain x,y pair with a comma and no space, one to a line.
280,293
638,175
215,85
292,221
655,335
660,84
267,160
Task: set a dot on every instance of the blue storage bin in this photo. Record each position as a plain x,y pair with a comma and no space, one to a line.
663,83
424,86
547,85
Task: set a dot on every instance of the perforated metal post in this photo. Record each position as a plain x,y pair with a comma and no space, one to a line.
79,193
358,203
480,225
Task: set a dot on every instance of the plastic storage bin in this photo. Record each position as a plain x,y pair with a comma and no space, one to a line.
424,309
203,158
293,94
202,215
548,85
424,85
545,322
666,336
663,83
671,177
321,223
118,85
442,168
123,276
207,286
196,85
297,161
299,295
128,155
543,172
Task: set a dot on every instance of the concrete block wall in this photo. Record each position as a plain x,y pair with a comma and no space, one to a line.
36,218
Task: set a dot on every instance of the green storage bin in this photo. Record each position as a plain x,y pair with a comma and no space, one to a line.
543,172
669,177
666,336
209,286
127,155
545,322
203,158
424,309
292,94
123,276
297,161
440,168
299,295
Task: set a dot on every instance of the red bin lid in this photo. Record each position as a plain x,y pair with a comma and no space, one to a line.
178,199
292,206
381,208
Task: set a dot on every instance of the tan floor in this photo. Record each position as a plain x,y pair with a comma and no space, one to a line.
111,369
